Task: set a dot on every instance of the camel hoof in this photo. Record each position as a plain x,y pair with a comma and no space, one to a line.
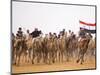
53,61
81,63
32,62
77,61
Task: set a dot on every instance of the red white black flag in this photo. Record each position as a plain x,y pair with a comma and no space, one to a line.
89,27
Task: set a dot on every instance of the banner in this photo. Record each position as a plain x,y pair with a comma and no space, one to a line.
88,24
88,31
88,27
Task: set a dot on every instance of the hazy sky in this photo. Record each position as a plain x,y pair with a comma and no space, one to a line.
50,17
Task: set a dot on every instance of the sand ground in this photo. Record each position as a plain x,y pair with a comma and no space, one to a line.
41,67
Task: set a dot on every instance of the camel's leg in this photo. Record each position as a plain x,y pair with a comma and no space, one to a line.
82,58
79,56
61,56
38,56
68,55
45,56
19,56
29,55
49,54
33,57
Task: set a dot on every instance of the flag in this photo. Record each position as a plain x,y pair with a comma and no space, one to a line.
88,30
88,24
88,27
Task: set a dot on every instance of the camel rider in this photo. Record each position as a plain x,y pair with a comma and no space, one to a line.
72,35
50,35
63,32
82,34
19,34
36,33
88,35
27,35
69,33
54,35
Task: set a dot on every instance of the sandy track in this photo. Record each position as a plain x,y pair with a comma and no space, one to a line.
72,65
